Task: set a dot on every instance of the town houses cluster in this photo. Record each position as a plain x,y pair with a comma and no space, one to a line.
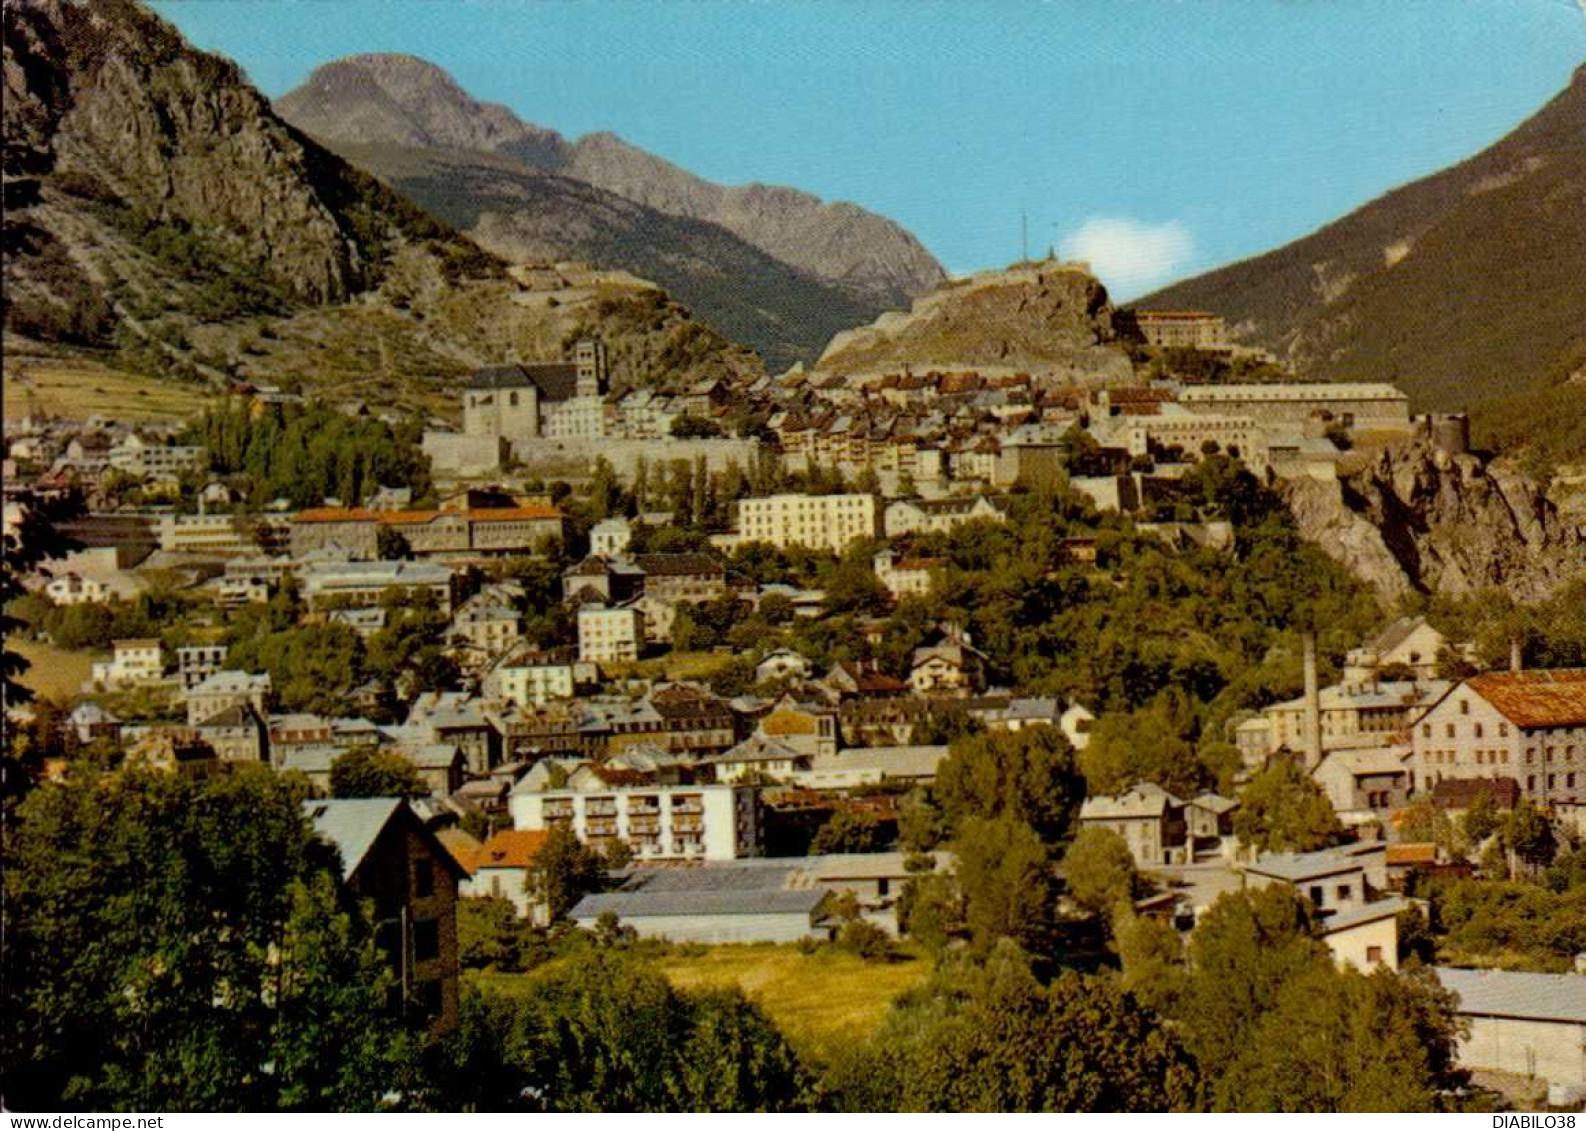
562,711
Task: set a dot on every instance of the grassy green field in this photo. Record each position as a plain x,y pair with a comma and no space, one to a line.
820,1000
55,673
74,389
677,665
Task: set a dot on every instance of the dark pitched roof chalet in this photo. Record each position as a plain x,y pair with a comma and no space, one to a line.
556,381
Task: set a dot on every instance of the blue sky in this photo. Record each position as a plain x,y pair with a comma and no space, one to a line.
1156,137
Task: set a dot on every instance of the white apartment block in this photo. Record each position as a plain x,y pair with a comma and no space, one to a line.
1529,726
204,534
534,685
131,662
74,589
607,634
819,522
659,822
146,459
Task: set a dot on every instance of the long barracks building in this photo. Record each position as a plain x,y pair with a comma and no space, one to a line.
473,532
1367,407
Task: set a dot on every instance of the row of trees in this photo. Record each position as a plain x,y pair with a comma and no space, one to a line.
307,453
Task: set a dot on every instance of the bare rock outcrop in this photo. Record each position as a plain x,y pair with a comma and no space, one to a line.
1414,518
1050,316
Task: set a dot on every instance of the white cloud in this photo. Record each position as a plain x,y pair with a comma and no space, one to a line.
1128,255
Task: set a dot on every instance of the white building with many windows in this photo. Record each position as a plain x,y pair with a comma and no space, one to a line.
819,522
132,662
1529,726
658,821
609,634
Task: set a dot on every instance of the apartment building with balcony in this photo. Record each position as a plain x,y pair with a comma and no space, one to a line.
659,821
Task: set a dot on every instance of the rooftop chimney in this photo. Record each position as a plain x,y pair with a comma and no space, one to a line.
1514,654
1313,705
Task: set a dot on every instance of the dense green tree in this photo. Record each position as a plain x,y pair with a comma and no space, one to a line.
1221,762
1009,885
309,453
1100,870
733,1058
1339,1040
1151,955
1568,871
391,544
1247,946
1282,809
490,934
369,771
1481,817
312,667
848,830
931,910
921,823
187,948
1149,745
1529,835
603,1033
993,1039
853,587
1514,921
1027,775
563,872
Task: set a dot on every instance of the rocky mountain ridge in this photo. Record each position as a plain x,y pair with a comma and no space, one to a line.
1369,296
156,206
526,216
369,100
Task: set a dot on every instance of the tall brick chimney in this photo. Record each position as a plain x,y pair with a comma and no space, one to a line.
1313,705
1515,663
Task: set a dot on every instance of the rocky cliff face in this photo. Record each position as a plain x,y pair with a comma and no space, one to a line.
156,204
1048,316
400,100
110,117
1417,519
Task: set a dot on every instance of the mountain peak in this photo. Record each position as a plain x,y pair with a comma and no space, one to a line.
395,99
374,100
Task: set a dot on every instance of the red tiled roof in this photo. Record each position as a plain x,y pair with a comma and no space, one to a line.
1412,854
1554,698
397,518
509,848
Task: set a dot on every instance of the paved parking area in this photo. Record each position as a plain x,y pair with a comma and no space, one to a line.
1200,884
